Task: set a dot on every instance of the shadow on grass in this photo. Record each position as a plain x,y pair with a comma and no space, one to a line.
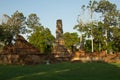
61,71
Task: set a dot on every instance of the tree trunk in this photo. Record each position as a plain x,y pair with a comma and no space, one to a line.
92,44
106,40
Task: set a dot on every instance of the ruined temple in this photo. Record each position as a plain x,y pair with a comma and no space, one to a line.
59,48
21,46
22,52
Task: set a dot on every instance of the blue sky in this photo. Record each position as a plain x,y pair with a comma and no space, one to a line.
48,11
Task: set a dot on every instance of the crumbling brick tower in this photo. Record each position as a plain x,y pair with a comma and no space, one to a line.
59,33
59,48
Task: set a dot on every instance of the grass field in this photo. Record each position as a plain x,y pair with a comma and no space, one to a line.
61,71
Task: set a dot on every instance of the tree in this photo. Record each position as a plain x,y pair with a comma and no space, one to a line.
98,31
2,36
109,13
33,22
91,7
116,39
16,23
5,36
37,38
1,33
14,26
5,18
49,40
115,30
82,26
71,39
42,39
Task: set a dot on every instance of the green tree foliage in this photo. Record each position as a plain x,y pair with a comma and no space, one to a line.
2,36
14,26
88,46
1,33
6,36
116,39
33,22
42,39
99,44
110,20
71,39
49,39
116,34
16,23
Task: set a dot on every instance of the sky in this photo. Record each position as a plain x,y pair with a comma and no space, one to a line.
48,11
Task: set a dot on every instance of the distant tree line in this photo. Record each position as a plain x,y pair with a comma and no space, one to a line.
102,33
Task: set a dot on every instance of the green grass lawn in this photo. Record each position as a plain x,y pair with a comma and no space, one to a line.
61,71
